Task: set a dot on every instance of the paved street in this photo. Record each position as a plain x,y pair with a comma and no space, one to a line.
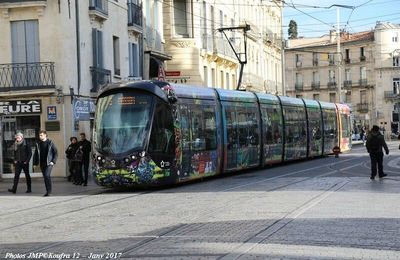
320,209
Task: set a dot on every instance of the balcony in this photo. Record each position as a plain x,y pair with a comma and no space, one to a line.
26,76
98,9
315,62
299,64
298,86
315,85
362,58
22,3
363,82
347,61
391,95
331,85
135,17
347,84
362,107
331,62
222,47
100,77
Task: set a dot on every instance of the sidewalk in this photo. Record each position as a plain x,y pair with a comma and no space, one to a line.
61,187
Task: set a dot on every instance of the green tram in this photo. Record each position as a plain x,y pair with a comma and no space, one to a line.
151,133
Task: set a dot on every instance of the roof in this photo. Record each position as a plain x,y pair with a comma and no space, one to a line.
326,40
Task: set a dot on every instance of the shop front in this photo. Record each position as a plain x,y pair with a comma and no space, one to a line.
18,116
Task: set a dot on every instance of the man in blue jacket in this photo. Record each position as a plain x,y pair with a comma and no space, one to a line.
45,155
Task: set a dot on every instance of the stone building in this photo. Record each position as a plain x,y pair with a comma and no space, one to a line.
202,55
368,77
55,56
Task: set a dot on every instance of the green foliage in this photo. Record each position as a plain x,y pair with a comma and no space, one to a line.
292,31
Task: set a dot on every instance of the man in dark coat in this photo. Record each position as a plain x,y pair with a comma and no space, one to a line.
22,156
86,147
45,155
375,143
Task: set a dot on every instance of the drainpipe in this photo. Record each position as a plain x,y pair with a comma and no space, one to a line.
78,46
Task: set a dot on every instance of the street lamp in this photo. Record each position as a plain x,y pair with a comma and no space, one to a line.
339,56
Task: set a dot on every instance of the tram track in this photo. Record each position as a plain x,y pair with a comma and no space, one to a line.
281,223
181,225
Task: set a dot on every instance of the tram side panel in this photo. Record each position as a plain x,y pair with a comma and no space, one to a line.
295,125
344,127
330,133
200,154
315,126
242,137
272,131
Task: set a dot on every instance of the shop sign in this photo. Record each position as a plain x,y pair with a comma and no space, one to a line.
20,107
52,125
51,113
82,108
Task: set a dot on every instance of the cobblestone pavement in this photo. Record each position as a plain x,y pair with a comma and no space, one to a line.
320,209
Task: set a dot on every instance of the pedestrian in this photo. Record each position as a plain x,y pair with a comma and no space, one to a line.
46,156
86,147
70,154
22,156
363,135
375,143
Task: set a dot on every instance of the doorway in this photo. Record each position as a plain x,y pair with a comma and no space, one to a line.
10,125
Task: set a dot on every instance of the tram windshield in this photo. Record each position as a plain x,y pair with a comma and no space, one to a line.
122,122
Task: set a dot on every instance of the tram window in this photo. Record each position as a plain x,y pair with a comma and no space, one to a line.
203,128
162,135
272,124
345,125
231,127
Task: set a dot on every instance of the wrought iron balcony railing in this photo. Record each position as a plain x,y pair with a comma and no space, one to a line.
315,85
362,107
391,95
331,84
363,82
100,77
298,86
347,83
99,8
23,3
362,58
135,14
14,76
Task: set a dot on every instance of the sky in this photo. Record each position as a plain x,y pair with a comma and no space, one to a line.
316,22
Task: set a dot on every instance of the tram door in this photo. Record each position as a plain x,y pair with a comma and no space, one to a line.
29,126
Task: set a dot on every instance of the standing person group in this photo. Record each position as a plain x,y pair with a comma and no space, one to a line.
375,143
78,155
74,155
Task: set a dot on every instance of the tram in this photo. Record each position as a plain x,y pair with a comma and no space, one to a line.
151,133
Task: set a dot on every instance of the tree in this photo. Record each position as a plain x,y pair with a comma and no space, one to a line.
292,31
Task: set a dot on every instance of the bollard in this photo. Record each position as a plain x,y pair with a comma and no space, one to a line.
336,151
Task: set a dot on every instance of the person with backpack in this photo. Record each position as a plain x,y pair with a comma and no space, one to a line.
375,143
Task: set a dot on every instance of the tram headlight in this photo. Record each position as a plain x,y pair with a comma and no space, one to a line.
99,158
133,157
126,160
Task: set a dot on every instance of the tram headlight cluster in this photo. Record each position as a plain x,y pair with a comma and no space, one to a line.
100,160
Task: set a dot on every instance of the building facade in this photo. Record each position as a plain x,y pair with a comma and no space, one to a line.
364,75
55,57
206,41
